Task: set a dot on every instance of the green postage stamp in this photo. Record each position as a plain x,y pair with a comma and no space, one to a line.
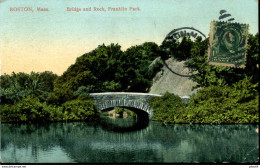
228,42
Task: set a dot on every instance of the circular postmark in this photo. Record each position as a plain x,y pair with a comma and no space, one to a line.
184,31
176,34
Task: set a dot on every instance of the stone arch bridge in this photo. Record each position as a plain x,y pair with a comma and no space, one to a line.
134,100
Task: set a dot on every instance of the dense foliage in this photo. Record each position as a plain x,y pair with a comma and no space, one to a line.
23,99
179,50
214,104
217,104
15,87
168,108
79,110
30,109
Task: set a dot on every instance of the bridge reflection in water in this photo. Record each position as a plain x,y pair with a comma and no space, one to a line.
138,123
89,143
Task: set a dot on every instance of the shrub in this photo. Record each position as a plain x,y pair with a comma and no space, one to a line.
31,109
215,104
55,112
28,109
80,110
167,108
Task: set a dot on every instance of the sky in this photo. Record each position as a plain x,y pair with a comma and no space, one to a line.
51,41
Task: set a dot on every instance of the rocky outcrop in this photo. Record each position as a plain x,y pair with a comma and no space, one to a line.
173,78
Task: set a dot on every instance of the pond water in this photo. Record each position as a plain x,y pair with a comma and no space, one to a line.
125,140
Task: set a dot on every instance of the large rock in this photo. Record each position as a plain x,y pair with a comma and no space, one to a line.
173,78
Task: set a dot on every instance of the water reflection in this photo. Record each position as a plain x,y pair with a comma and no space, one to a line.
123,125
90,143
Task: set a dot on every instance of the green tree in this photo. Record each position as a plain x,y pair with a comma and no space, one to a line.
252,61
107,68
179,50
17,86
136,72
95,70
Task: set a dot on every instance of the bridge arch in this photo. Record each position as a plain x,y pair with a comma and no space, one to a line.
133,100
140,101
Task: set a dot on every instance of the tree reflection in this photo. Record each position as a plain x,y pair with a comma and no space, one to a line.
86,142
